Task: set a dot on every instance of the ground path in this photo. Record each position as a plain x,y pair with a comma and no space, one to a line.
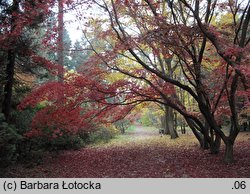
142,153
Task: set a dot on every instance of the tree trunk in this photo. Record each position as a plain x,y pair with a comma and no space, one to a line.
8,88
10,67
60,45
175,121
228,156
205,144
170,123
182,130
200,137
164,122
245,126
122,129
60,32
215,145
183,127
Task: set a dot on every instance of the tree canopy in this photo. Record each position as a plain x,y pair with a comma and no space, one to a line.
188,61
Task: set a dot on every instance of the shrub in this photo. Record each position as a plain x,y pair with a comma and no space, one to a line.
103,134
67,142
123,125
8,141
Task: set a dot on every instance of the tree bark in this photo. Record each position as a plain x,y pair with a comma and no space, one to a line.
164,120
183,128
170,123
204,144
60,46
228,156
10,67
122,129
8,88
215,145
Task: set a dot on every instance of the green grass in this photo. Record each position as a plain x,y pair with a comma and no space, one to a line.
131,128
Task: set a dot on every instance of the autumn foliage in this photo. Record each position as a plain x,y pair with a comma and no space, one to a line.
73,106
172,37
148,51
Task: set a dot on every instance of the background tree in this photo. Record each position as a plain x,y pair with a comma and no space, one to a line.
60,50
79,54
20,22
14,43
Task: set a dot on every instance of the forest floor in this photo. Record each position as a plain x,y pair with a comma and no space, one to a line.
142,153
